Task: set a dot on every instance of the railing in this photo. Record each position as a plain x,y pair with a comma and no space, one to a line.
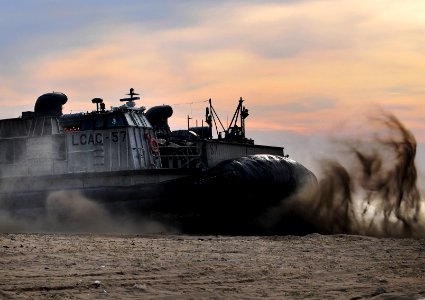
180,157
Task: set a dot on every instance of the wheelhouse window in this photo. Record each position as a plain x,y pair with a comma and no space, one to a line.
115,120
102,121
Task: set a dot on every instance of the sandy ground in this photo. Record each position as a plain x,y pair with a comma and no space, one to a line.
86,266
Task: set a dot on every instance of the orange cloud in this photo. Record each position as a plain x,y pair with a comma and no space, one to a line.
357,54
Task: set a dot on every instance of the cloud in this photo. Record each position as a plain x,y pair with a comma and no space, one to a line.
289,59
313,104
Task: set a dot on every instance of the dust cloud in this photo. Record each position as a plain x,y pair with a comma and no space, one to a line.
369,188
71,212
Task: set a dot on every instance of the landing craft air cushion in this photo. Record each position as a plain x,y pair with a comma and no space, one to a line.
128,160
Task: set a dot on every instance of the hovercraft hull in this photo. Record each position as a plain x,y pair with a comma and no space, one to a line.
229,198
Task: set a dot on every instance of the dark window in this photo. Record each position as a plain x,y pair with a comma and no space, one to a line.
87,124
100,122
115,120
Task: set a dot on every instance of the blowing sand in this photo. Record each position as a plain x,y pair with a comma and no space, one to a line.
85,266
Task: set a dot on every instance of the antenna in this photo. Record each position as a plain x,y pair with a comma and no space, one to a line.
130,101
188,118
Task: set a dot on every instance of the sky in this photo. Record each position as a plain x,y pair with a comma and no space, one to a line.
304,67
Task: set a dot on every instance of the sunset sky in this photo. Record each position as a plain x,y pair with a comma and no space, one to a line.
302,66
